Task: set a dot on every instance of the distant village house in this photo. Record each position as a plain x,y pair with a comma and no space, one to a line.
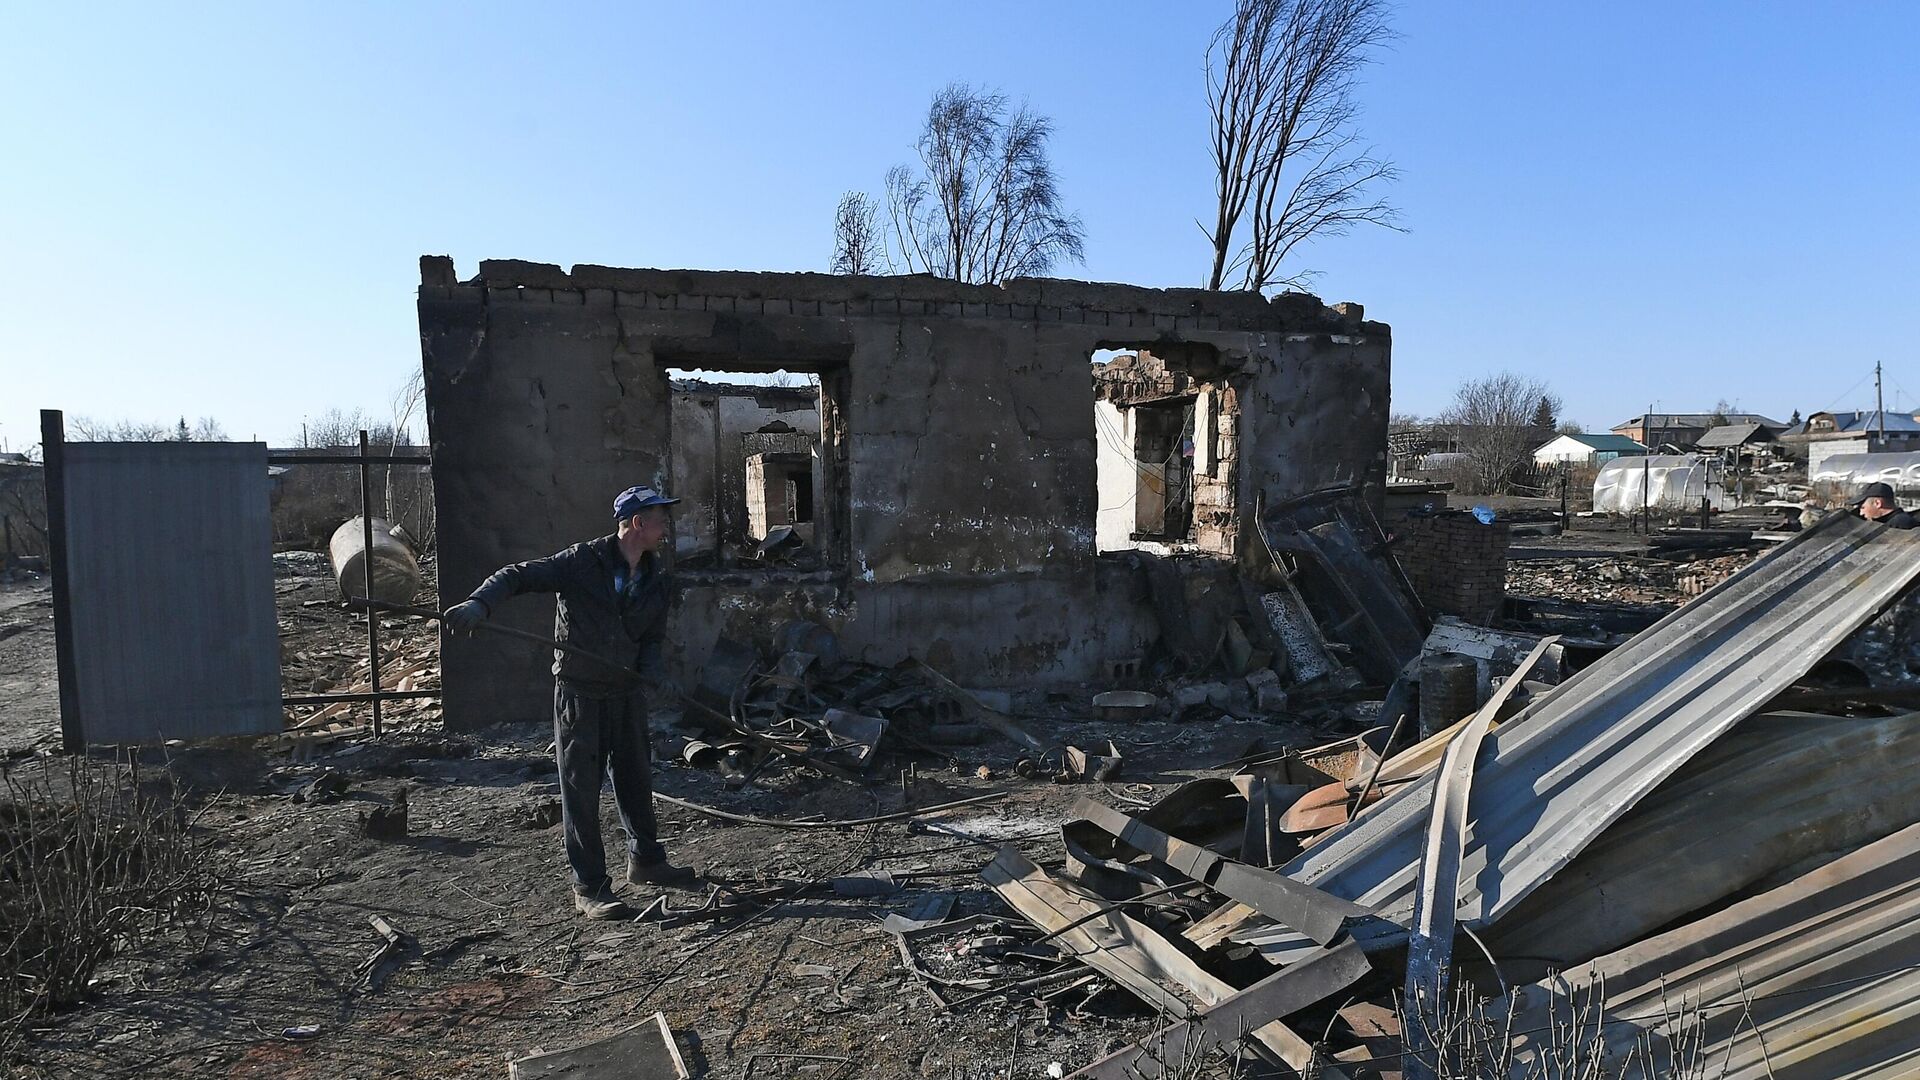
1684,430
1587,449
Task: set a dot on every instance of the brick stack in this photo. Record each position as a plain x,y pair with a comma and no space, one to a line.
1457,565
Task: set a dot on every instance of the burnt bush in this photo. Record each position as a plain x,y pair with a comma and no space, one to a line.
90,861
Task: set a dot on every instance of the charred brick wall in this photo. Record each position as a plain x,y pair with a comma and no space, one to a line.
1458,566
959,418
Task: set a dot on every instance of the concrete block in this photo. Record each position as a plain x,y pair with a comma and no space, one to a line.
1186,697
437,270
1270,699
521,272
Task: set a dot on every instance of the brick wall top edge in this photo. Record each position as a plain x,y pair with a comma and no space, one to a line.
1286,311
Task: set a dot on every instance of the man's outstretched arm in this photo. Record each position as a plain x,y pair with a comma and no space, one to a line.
548,575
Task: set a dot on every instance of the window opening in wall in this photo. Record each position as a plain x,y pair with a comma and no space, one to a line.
1165,455
751,452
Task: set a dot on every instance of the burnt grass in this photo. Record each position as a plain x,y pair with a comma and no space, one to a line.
271,981
502,965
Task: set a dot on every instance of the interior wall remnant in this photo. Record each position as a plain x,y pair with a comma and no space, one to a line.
780,493
1167,456
716,429
956,432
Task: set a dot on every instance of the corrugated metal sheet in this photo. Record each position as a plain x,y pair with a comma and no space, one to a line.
1567,767
1816,980
1776,790
170,572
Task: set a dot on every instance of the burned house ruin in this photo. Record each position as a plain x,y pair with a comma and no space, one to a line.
953,478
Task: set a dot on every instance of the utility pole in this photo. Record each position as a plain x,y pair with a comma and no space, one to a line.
1879,405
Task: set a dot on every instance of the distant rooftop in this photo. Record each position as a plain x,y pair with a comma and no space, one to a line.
1865,421
1701,419
1732,435
1605,441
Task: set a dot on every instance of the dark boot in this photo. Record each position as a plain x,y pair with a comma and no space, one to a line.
662,874
598,902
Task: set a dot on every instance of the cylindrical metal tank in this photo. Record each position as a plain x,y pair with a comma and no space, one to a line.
1449,691
396,576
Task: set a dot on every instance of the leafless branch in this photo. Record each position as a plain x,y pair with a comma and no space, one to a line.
984,204
1494,425
857,247
1281,76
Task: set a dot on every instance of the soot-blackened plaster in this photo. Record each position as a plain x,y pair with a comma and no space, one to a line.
956,437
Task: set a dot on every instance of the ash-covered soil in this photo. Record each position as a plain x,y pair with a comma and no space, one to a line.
801,982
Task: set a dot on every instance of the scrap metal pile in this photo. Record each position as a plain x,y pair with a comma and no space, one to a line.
1649,864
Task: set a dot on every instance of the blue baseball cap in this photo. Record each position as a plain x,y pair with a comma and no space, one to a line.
635,499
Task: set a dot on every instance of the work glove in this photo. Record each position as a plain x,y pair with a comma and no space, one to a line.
464,617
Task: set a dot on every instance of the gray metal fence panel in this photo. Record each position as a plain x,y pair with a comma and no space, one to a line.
170,570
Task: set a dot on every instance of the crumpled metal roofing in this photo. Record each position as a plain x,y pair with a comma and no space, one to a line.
1819,978
1567,767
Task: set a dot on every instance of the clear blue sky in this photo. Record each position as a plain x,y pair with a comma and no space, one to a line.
217,210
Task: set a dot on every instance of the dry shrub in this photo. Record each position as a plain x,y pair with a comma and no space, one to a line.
90,860
1471,1040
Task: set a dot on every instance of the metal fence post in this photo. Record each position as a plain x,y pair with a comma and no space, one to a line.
53,459
366,568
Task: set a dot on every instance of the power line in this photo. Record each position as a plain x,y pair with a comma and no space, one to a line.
1829,406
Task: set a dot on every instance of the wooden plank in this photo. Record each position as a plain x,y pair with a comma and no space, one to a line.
1225,919
645,1051
1324,973
1128,951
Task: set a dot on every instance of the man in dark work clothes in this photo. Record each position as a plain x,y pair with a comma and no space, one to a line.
612,602
1876,504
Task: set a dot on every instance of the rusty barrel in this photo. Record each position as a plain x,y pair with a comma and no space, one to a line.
396,576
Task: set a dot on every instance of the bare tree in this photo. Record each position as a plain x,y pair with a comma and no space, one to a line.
1493,425
87,429
412,486
340,428
408,400
1722,413
1288,163
857,247
314,499
984,205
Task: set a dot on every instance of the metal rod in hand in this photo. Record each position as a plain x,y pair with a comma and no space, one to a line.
366,576
373,605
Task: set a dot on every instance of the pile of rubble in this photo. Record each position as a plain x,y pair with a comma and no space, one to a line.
1248,645
1621,579
1651,866
808,705
323,651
